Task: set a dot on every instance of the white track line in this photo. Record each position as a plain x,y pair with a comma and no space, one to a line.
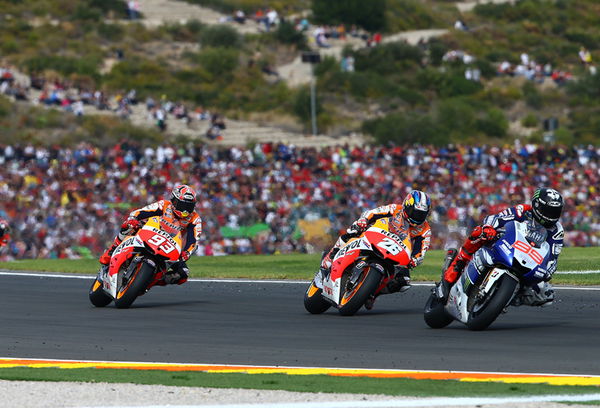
403,403
588,272
5,272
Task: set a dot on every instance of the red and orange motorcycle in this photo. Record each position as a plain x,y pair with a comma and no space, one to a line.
137,264
361,269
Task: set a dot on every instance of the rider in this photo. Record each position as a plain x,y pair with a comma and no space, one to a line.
411,215
179,210
546,208
4,232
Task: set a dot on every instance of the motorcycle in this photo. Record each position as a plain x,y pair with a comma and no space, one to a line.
137,264
362,268
494,277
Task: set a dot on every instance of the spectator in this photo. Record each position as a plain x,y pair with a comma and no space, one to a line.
585,57
459,24
348,64
133,9
239,17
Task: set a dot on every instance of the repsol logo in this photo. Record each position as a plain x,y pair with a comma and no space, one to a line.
347,248
391,235
161,232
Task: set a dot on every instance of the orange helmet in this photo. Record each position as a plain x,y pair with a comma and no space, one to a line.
183,198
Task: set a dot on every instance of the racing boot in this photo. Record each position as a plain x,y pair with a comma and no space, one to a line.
370,302
105,257
454,264
400,282
327,258
540,294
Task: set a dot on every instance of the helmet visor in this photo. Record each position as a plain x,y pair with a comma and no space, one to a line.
416,217
184,206
551,214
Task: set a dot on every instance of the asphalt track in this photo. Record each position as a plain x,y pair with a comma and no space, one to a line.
265,324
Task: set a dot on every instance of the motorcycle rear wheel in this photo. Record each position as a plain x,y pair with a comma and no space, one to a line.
482,315
435,315
98,296
354,298
313,300
137,284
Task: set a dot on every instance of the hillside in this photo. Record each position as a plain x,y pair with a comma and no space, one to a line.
510,67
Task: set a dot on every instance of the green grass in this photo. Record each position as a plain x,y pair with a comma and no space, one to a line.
302,266
300,383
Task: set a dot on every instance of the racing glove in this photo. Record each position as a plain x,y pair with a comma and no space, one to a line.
358,226
414,262
483,233
130,225
185,255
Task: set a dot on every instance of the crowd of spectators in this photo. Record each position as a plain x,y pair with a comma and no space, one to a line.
265,17
77,98
534,71
321,34
60,200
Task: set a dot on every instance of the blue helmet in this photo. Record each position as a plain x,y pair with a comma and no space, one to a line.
416,207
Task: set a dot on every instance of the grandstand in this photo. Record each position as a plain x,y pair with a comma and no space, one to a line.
69,202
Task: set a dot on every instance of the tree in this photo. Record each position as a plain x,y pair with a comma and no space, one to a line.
369,15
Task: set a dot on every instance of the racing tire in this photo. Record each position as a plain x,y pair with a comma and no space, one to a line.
98,296
503,290
313,300
435,314
354,298
135,286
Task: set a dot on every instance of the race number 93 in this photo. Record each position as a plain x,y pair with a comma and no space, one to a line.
162,243
390,246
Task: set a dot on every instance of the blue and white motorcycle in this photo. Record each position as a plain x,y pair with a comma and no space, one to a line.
491,282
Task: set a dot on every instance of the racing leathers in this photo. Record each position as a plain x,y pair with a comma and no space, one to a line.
190,227
537,295
420,236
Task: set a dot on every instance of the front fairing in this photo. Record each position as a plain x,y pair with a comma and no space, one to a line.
151,241
378,242
517,252
514,253
161,238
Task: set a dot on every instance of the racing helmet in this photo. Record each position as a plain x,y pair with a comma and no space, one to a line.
4,227
183,198
547,205
416,207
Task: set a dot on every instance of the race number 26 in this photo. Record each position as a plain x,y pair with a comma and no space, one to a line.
390,246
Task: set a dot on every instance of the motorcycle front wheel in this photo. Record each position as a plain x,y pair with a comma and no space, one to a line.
484,311
98,296
135,285
356,294
313,300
